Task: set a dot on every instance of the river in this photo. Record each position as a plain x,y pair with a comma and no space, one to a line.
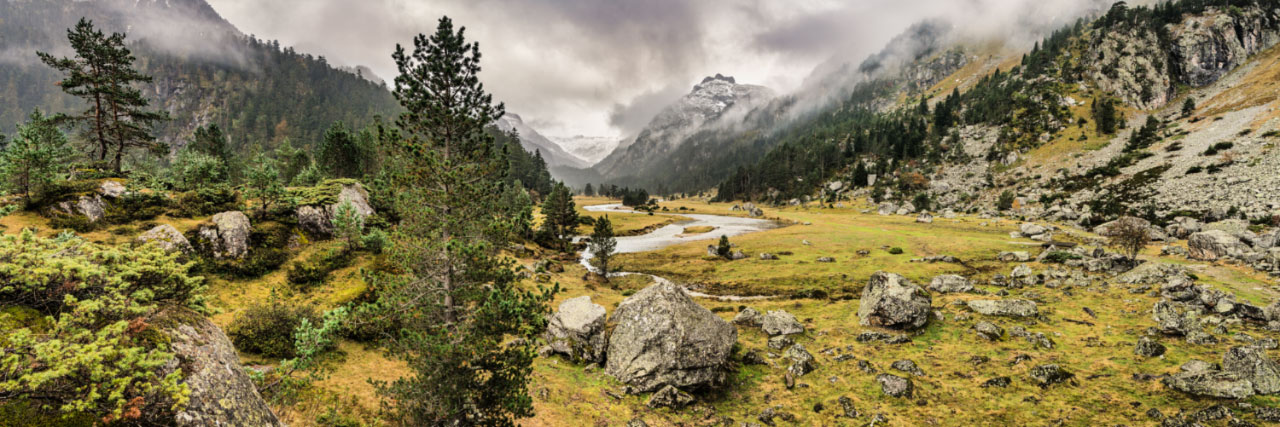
670,235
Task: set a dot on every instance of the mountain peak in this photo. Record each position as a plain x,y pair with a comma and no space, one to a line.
720,77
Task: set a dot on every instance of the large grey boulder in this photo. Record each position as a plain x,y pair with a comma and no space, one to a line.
166,237
1008,307
221,392
577,330
111,189
781,323
749,317
1173,318
91,207
895,386
1210,383
890,300
1215,244
887,208
1182,227
1252,364
227,237
318,220
662,337
950,283
1031,229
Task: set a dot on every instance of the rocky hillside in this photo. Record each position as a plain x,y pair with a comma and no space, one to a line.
718,103
206,72
534,142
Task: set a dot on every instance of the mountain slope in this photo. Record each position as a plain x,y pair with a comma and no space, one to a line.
205,70
532,141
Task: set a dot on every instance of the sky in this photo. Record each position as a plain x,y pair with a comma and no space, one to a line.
604,68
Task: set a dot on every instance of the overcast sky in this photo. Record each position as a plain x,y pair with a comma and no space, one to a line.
605,67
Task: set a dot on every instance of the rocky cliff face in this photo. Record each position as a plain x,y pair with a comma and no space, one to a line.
716,101
1205,47
1131,63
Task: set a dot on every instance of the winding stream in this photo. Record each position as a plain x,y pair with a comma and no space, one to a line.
670,235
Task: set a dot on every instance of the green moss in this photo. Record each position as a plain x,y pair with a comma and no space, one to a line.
20,413
323,194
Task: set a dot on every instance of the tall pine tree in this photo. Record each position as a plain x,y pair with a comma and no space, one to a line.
459,305
102,73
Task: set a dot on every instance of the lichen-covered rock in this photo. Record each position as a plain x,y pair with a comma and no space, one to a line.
227,237
1050,374
950,283
91,207
890,300
1172,318
670,397
989,331
895,386
577,330
166,237
662,337
1252,364
1182,227
1008,308
1215,244
887,208
1148,347
111,189
318,220
781,323
1210,383
749,317
802,361
221,393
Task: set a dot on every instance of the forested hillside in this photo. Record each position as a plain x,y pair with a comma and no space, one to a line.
206,72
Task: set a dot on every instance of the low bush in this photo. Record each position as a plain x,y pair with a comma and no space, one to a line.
375,241
206,201
267,328
1059,257
136,206
895,251
316,268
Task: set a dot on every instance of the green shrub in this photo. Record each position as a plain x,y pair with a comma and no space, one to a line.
316,268
375,241
1059,257
136,206
1006,200
65,221
206,201
267,329
98,356
895,251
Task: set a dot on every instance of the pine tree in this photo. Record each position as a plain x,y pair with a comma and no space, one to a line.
459,305
263,183
602,244
29,163
589,191
559,215
102,73
1189,107
340,154
212,141
724,249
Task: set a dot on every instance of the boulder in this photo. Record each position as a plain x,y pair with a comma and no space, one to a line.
1252,364
907,366
1008,308
895,386
768,257
1182,227
1210,383
950,283
1148,347
670,397
166,237
1214,244
91,207
1172,318
749,317
662,337
737,255
111,189
1050,374
318,220
989,331
577,330
802,362
781,323
1030,229
1234,227
1015,256
752,210
826,260
227,237
221,392
890,300
887,208
925,218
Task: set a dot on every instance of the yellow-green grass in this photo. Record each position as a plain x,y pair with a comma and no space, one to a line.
835,233
624,224
1099,351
